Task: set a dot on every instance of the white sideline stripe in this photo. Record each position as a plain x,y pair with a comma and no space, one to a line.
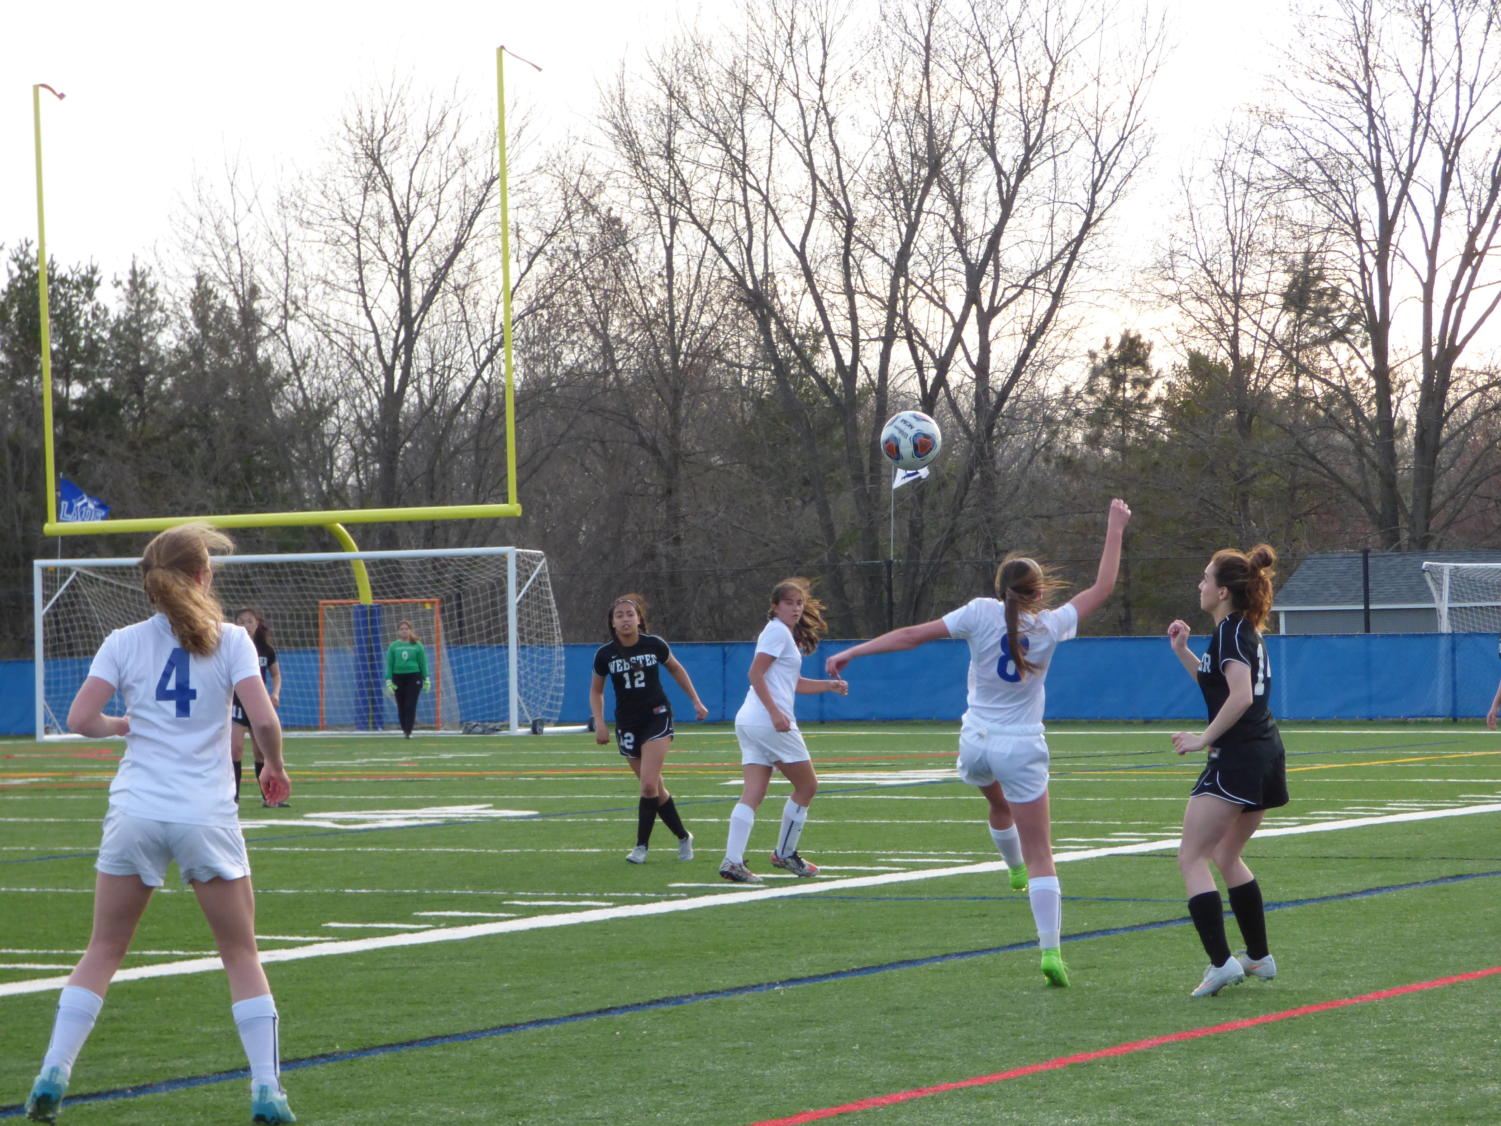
468,914
669,907
370,926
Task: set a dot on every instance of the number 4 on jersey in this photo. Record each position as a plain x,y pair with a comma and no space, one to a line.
176,683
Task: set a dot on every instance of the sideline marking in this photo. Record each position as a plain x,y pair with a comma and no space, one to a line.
1121,1050
669,907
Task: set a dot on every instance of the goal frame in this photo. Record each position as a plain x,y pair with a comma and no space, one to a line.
514,724
436,670
1440,575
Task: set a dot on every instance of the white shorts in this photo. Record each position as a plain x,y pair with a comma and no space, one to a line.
1018,762
134,846
768,746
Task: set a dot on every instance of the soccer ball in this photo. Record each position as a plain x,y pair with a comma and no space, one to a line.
910,439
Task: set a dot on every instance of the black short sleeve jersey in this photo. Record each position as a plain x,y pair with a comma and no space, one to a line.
267,657
636,675
1235,640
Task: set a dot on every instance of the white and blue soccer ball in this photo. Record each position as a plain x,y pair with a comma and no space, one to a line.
910,439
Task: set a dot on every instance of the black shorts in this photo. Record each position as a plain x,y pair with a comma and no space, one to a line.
632,736
237,713
1253,775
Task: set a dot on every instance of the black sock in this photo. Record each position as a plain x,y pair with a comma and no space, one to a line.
669,815
1208,915
237,770
1250,916
259,766
646,813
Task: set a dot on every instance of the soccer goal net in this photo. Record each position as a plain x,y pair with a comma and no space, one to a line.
1467,596
485,616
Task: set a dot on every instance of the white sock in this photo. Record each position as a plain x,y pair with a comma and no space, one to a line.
1047,909
794,817
1009,841
255,1018
742,818
77,1009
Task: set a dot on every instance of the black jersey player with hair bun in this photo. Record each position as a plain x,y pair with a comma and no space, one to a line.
1246,771
633,661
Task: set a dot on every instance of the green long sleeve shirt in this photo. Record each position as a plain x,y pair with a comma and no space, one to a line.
406,656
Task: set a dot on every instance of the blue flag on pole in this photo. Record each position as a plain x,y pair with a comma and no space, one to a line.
75,505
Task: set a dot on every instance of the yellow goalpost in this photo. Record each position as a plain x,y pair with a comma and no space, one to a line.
332,519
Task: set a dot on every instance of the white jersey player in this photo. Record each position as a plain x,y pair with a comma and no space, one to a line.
1001,746
176,672
766,728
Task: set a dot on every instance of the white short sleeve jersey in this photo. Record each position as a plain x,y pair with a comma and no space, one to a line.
781,678
176,764
999,695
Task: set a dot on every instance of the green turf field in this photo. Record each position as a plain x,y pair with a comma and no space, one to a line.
453,935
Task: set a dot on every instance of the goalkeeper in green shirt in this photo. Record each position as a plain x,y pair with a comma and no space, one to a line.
406,674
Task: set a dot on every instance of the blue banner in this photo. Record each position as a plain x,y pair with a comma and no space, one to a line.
76,506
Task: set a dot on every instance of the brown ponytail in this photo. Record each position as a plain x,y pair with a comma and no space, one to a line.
810,627
170,567
1248,578
1019,584
1024,586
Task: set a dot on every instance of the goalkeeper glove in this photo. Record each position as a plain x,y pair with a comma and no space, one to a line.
427,684
390,688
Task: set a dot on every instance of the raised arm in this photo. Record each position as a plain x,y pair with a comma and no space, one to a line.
1086,602
893,641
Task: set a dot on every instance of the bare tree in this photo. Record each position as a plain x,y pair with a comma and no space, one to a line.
1254,317
396,251
903,212
1391,151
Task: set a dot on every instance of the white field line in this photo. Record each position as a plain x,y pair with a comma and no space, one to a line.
671,907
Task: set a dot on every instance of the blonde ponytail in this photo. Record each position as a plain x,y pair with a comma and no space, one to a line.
170,570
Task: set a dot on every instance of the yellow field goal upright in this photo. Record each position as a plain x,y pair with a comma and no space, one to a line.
333,519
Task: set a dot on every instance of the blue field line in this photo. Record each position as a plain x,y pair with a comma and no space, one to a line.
169,1085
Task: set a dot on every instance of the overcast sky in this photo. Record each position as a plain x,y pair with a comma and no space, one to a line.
163,92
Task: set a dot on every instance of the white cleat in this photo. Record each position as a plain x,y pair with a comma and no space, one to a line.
1263,969
685,848
738,873
637,855
1217,977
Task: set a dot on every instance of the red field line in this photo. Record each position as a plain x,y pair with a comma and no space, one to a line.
1119,1050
